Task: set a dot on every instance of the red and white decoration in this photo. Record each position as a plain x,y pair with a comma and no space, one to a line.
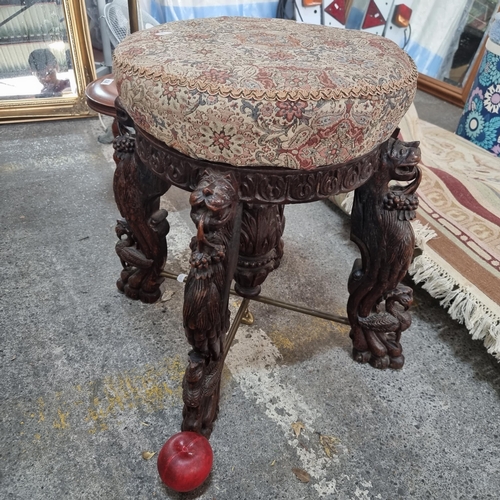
335,13
376,16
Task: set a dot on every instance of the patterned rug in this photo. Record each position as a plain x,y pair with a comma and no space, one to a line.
458,228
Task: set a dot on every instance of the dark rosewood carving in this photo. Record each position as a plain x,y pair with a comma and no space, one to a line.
217,215
261,246
260,185
239,218
142,233
378,304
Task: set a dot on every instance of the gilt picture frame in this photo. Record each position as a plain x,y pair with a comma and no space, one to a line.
78,47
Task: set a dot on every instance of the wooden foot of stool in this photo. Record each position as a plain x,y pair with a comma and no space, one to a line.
142,233
216,212
378,303
261,246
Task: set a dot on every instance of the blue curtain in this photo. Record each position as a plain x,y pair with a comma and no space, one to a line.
175,10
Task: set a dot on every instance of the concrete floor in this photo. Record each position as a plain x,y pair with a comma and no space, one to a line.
90,380
433,110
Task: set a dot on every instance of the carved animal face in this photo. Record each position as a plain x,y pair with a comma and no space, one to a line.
215,198
402,295
402,158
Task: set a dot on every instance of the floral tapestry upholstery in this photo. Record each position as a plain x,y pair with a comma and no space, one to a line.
249,91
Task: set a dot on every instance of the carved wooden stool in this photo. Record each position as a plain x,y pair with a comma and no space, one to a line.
250,115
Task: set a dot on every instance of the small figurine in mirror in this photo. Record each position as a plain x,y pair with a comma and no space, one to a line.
44,66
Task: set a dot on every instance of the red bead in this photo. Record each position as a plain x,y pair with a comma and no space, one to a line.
185,461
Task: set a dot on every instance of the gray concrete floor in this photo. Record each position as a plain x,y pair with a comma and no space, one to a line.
90,380
433,110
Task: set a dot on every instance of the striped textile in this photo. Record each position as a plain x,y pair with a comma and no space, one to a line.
460,202
458,228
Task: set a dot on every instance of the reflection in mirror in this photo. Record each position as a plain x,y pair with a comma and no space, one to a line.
446,36
476,24
109,23
35,57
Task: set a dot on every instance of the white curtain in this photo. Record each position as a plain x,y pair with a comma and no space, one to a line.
174,10
436,26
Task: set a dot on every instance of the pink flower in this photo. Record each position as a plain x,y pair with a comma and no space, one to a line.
291,109
267,109
133,51
221,143
169,91
216,75
496,149
221,140
280,55
204,51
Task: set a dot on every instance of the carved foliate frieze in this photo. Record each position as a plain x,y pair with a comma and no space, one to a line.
271,185
261,246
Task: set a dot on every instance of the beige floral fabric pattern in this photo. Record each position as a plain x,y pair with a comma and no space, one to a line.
249,91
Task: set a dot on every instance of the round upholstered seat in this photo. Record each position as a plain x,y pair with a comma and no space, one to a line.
248,91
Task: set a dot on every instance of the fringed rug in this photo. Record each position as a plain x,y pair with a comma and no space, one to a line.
458,228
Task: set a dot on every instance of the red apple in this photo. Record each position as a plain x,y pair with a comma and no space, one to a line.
185,461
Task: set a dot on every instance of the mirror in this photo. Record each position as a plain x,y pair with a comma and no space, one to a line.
470,40
45,60
448,44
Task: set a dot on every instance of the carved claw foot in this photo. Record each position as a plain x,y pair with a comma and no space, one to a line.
201,389
379,362
361,356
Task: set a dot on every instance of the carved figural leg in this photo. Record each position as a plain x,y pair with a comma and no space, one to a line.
378,304
261,246
142,233
217,215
